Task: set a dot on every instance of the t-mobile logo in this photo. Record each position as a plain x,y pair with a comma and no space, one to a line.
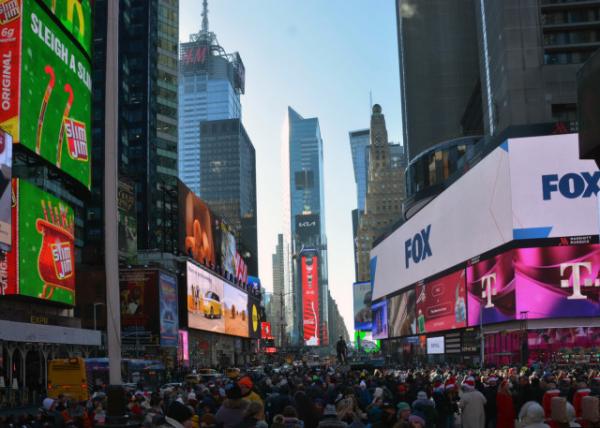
488,289
575,281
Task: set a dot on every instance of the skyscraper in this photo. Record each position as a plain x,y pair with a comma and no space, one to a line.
228,181
305,236
210,84
359,143
385,192
276,313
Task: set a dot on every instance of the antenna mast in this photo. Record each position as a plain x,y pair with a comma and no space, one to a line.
205,16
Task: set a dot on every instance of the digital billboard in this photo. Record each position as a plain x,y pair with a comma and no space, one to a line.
380,320
6,143
169,315
76,17
139,303
127,220
235,311
441,303
363,318
491,290
310,299
195,231
435,345
205,294
46,91
226,248
265,330
364,341
401,310
559,281
183,350
41,263
504,197
254,318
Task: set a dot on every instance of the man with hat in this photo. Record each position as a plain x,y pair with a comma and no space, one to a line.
403,412
246,385
179,415
472,404
490,391
232,410
330,418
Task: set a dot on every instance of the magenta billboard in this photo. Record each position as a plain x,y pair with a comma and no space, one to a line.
491,290
534,283
558,282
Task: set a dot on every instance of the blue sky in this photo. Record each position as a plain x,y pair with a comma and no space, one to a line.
322,57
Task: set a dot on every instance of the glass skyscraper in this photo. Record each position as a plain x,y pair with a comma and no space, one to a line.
359,144
210,84
305,219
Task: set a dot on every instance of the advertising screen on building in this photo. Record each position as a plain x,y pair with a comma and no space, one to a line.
310,299
380,320
46,105
441,304
364,342
254,318
363,318
308,229
169,315
195,231
401,310
183,350
127,220
227,248
265,330
41,263
205,295
76,18
435,345
235,311
6,143
560,281
139,301
491,290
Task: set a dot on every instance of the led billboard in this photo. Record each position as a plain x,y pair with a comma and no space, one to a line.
139,301
195,231
205,294
491,290
401,311
169,314
76,18
503,198
435,345
441,304
364,342
41,263
235,311
127,220
380,320
310,298
254,318
363,318
226,248
6,143
46,90
265,330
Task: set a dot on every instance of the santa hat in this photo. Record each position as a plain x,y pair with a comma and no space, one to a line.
493,379
469,383
450,384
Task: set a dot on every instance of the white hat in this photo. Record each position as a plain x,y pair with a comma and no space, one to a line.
47,403
191,396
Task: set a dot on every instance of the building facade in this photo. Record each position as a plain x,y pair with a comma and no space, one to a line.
210,84
359,144
385,193
276,313
228,181
305,235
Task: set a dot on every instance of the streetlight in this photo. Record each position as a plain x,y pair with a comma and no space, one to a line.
95,304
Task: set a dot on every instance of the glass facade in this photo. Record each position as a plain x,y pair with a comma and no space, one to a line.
359,144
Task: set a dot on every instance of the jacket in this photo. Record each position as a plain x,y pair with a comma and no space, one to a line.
231,413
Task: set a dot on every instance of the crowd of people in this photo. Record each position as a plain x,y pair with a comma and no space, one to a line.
332,397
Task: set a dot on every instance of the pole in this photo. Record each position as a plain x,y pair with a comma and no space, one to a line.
95,317
482,337
111,171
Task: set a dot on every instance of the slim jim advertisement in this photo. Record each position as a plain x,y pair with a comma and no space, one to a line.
41,263
46,81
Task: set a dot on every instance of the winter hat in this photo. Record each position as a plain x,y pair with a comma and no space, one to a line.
47,403
363,385
402,406
450,384
378,392
179,412
422,395
492,379
233,391
469,383
416,418
192,396
330,411
535,413
246,382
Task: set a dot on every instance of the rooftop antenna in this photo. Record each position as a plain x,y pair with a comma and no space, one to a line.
370,101
205,16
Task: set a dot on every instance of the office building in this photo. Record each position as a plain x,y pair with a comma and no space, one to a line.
276,308
439,71
210,84
385,193
337,327
228,181
305,220
359,143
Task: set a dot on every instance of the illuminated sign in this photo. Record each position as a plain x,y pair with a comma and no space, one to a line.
194,55
310,299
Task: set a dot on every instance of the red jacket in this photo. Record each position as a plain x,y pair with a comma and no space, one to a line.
506,411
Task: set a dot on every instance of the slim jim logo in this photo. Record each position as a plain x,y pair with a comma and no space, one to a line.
63,260
9,11
76,139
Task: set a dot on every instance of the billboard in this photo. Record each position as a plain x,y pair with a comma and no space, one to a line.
195,231
205,294
254,318
6,143
41,263
363,318
504,197
308,230
183,350
169,315
435,345
491,290
441,304
46,91
380,320
401,310
265,330
127,220
76,17
560,281
235,311
227,249
139,303
310,298
364,342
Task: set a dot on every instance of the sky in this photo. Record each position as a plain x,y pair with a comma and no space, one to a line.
323,58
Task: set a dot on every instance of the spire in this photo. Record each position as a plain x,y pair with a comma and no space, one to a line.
205,16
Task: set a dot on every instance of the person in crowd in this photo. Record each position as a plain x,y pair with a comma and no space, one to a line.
342,350
254,416
232,411
472,404
532,415
426,407
178,416
505,407
490,390
330,418
246,385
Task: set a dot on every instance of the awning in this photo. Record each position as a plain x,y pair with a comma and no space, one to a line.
39,333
